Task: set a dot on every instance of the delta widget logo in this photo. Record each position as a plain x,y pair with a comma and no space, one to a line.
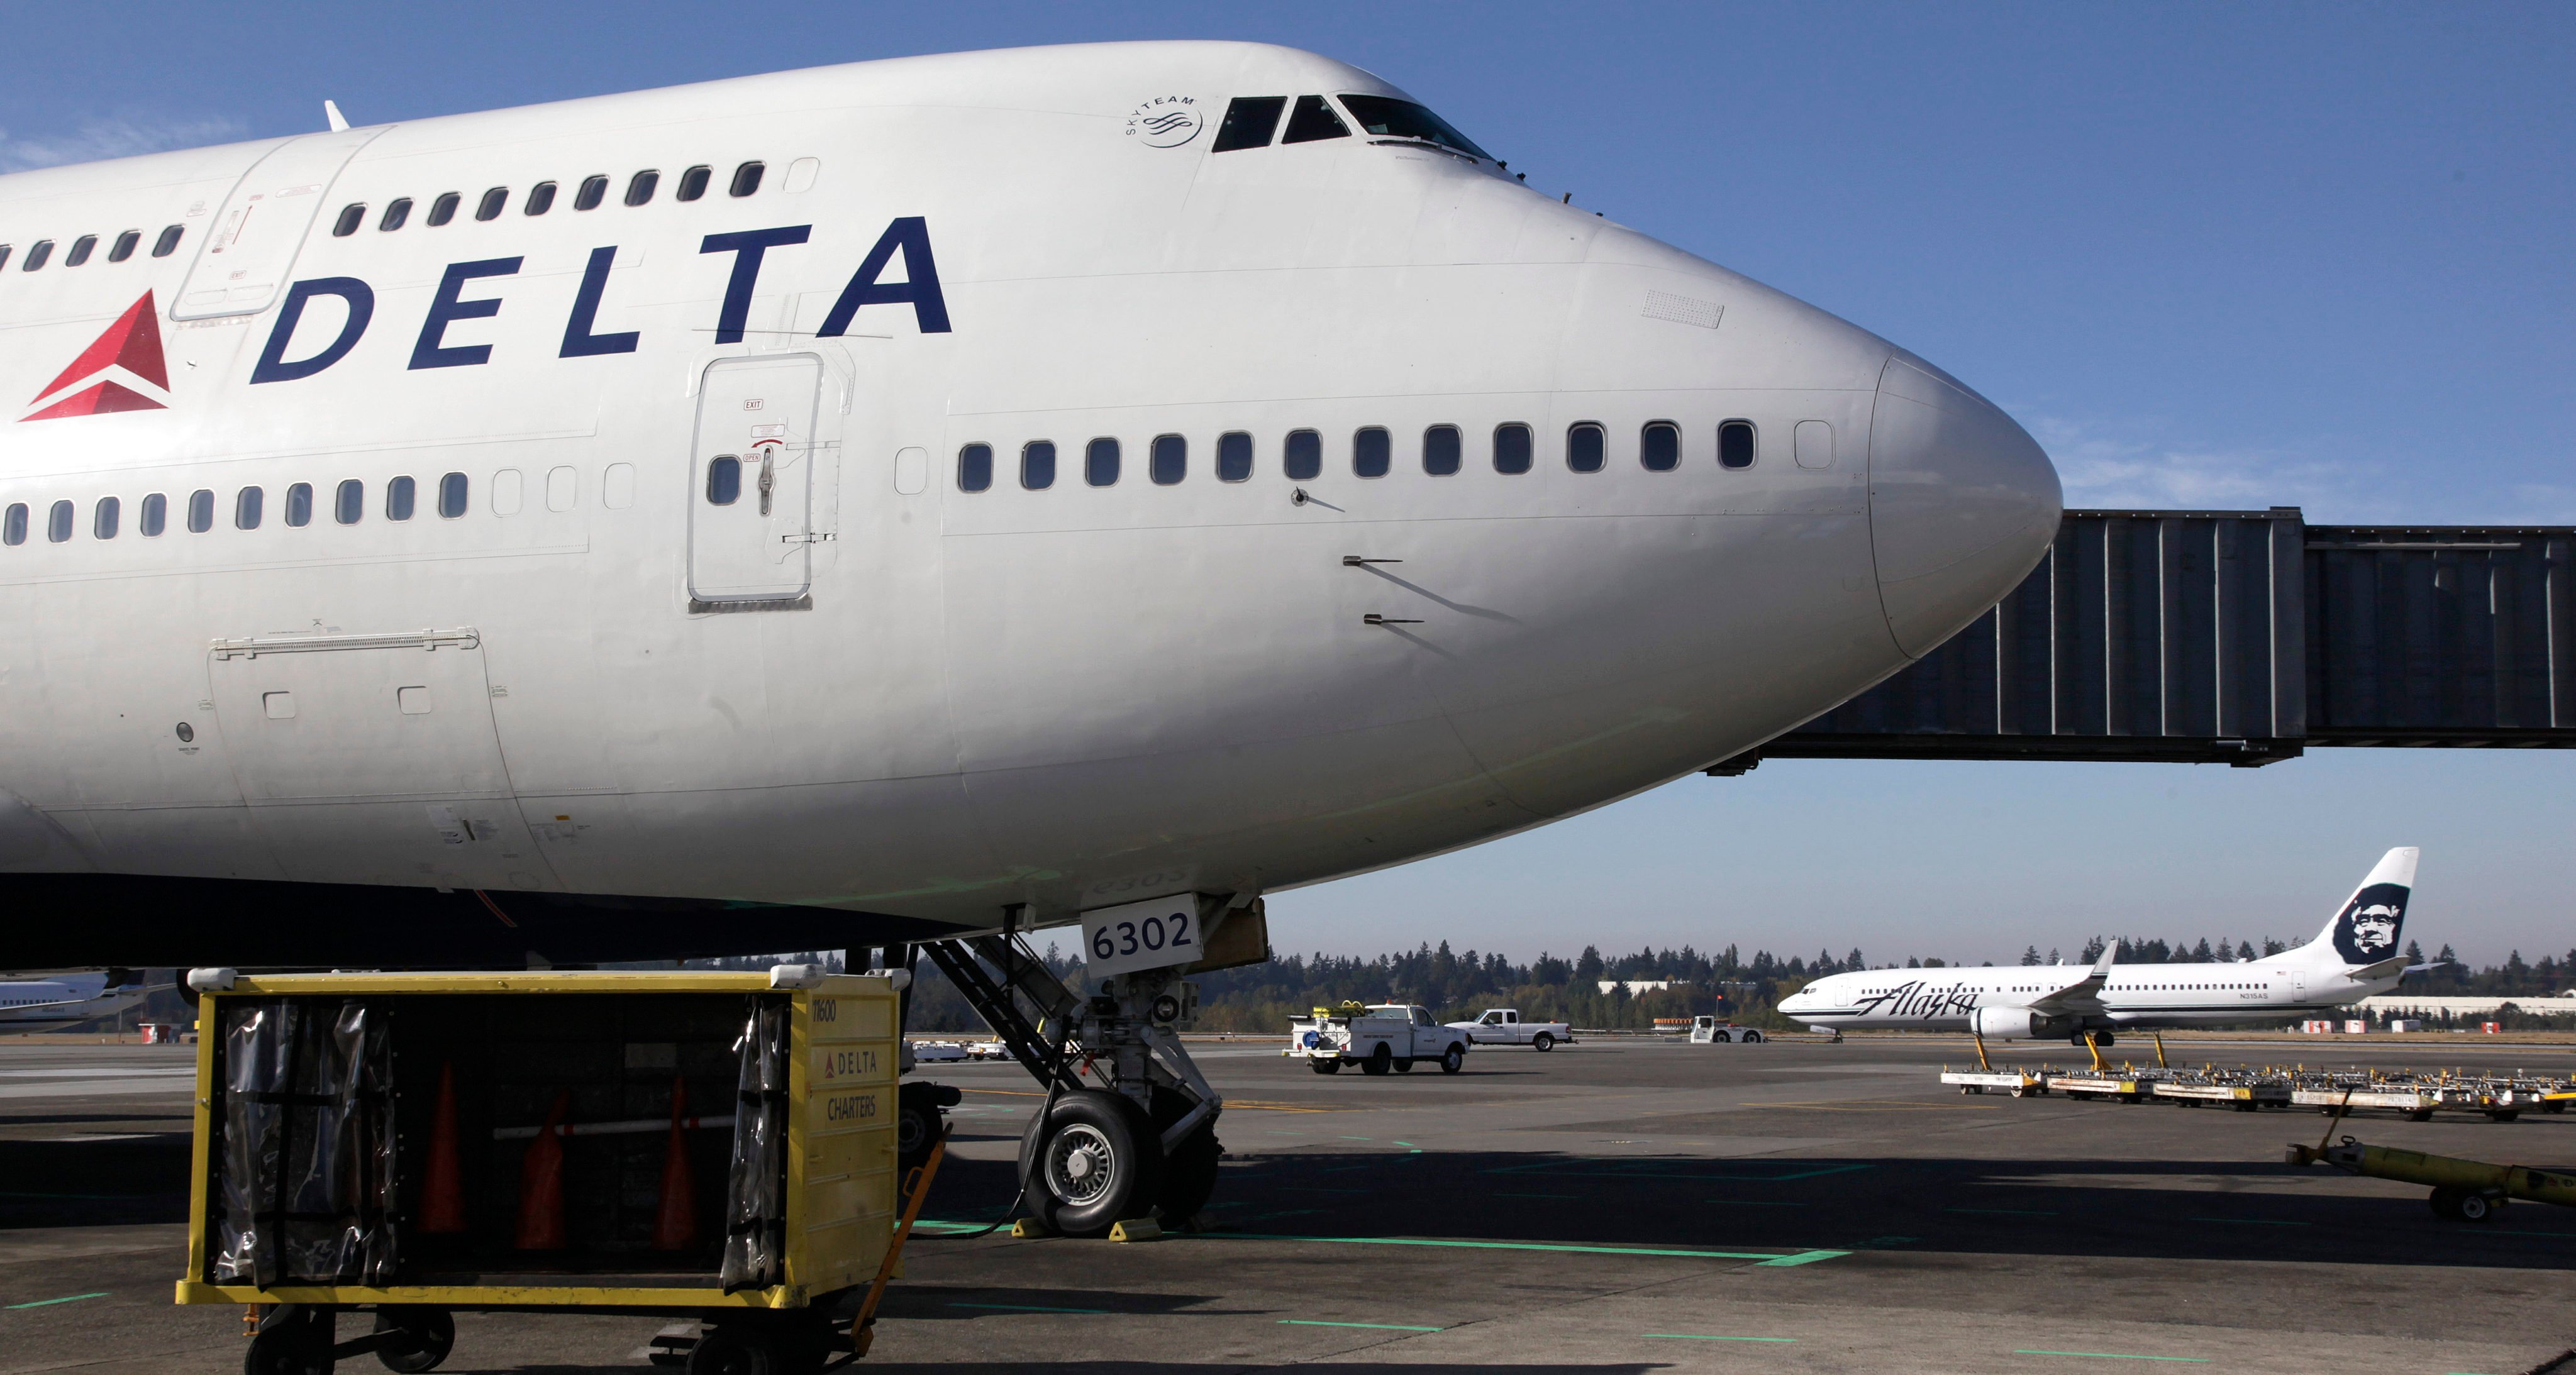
122,370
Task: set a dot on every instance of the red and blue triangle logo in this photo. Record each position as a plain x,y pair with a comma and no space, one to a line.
132,347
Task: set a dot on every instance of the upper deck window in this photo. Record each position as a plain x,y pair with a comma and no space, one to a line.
1312,120
36,256
593,190
1390,118
351,216
168,242
693,183
443,209
82,247
493,203
541,198
746,179
397,214
1249,122
639,188
126,243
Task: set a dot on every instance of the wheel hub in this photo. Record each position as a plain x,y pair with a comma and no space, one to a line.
1080,1164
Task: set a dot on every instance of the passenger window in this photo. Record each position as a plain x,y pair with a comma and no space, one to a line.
1735,444
154,517
36,256
494,202
349,502
351,216
1312,120
617,486
1302,458
13,526
201,511
593,191
82,247
1512,448
398,499
1585,449
1371,452
1037,465
746,179
125,245
1170,460
58,522
541,198
247,504
1100,462
443,209
4,255
509,492
451,495
1440,450
1659,446
563,488
693,183
724,480
1233,456
299,504
102,518
168,243
975,468
397,213
1249,122
639,188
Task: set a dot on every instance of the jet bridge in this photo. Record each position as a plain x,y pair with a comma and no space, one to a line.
2242,638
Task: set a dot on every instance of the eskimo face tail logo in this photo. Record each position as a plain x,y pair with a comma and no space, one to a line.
123,370
2366,932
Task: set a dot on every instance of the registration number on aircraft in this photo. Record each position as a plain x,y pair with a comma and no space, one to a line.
1141,935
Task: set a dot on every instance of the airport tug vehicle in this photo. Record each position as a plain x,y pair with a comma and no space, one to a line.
1388,1036
718,1147
1709,1031
1502,1026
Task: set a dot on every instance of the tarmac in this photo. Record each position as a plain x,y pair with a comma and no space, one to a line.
1609,1207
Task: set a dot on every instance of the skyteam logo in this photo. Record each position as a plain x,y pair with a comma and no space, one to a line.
121,370
1166,121
2366,933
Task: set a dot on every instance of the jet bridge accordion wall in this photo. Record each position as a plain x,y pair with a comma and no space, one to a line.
2238,637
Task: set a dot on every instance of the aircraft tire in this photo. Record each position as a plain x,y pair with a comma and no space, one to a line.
1091,1162
1190,1168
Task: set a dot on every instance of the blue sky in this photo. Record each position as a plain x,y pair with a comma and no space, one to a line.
2211,255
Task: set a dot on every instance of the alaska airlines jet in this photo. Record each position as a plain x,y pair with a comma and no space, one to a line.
2354,957
888,501
50,1004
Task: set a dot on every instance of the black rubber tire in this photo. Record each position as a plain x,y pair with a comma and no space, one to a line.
1190,1168
1404,1066
917,1122
2445,1202
2505,1114
428,1335
2554,1105
1325,1066
1543,1042
2474,1207
299,1346
1115,1134
2418,1115
732,1351
1753,1038
2019,1092
1453,1059
1379,1061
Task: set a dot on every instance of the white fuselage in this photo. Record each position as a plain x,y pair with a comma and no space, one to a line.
884,692
52,1004
2135,995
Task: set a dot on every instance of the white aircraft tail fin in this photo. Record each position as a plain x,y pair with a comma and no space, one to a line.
2366,929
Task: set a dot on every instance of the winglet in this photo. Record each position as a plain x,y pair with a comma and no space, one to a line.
2103,965
331,112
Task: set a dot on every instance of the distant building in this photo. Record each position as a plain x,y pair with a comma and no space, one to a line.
2419,1005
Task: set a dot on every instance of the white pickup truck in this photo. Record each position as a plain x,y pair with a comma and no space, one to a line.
1377,1039
1502,1026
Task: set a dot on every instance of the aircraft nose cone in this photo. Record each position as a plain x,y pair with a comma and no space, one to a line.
1962,502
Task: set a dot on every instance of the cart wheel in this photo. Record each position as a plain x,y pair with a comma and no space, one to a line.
1325,1066
1380,1060
1091,1162
1543,1041
1405,1065
2418,1115
2445,1201
428,1334
916,1123
2020,1091
298,1346
1453,1059
2474,1207
2504,1114
731,1351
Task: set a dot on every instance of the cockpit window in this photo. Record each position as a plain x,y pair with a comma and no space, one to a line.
1312,120
1404,119
1249,122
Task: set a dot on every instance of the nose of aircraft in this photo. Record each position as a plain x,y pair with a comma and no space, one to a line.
1961,503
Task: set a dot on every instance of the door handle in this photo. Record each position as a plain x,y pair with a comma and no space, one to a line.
768,476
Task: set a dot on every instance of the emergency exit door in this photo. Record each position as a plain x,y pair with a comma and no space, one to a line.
245,255
751,503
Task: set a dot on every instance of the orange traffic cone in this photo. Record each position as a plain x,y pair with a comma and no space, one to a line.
442,1182
675,1228
541,1200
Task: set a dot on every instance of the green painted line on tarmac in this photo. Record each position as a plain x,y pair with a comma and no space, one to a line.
1376,1326
1027,1308
2117,1356
1761,1257
48,1303
1707,1337
2253,1221
2003,1212
1359,1138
